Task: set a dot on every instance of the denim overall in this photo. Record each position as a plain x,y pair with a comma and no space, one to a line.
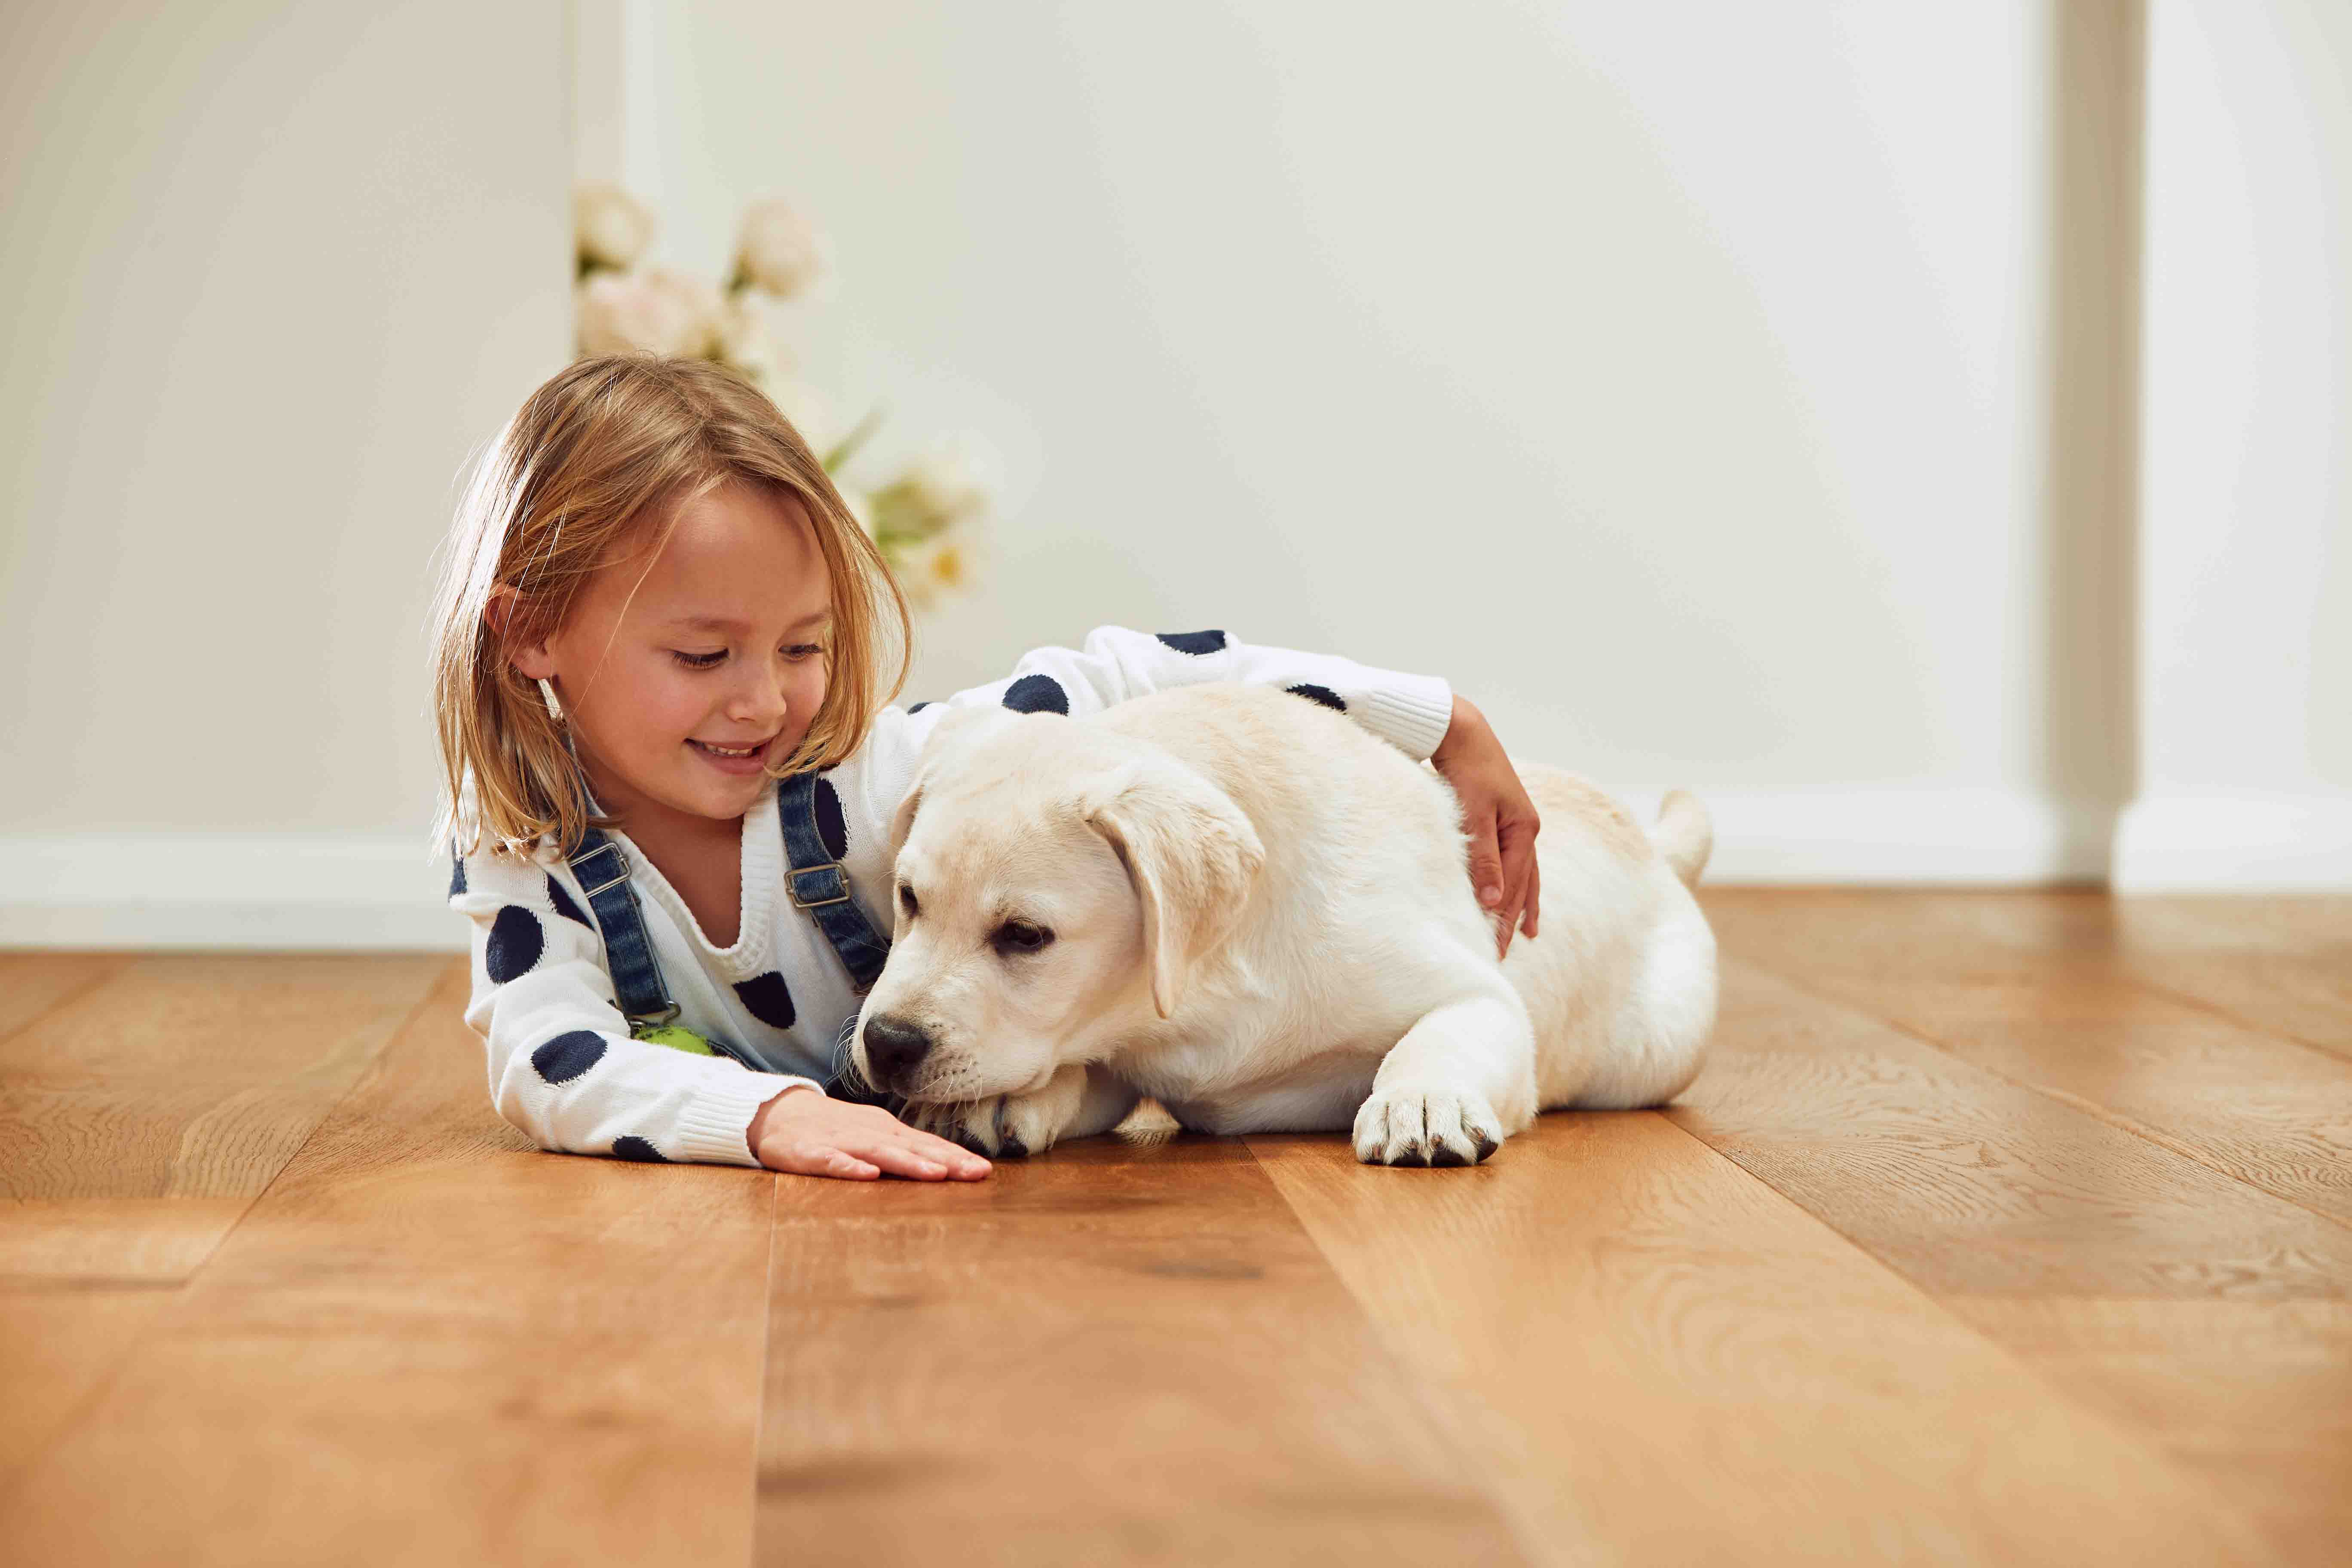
816,883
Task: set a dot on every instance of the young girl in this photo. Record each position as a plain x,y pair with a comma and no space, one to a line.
663,652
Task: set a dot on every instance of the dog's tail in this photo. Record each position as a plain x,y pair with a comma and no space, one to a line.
1685,835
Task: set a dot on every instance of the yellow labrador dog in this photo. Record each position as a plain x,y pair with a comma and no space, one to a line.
1240,903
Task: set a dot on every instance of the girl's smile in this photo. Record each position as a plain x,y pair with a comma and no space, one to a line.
739,759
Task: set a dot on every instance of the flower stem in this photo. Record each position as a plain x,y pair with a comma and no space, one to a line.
859,434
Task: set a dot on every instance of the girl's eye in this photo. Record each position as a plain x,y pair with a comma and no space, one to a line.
697,661
907,901
799,651
1020,936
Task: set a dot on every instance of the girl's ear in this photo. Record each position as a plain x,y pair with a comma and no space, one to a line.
533,660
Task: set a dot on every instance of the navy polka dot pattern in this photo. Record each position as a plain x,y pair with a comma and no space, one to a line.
769,999
516,942
456,875
1323,694
636,1148
1193,642
568,1056
564,905
1037,694
825,804
917,708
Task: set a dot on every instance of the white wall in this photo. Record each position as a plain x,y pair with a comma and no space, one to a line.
272,271
1676,379
2246,646
1736,396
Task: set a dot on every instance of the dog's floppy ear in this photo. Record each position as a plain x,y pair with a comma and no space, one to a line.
1192,856
902,821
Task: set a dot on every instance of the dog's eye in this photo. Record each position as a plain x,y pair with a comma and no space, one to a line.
1020,936
907,901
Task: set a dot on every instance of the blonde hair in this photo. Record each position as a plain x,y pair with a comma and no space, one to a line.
592,470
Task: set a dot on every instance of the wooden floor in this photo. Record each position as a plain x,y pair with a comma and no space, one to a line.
2002,1228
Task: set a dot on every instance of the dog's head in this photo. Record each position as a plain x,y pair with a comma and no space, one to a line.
1056,884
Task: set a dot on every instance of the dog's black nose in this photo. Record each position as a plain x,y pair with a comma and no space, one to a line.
893,1046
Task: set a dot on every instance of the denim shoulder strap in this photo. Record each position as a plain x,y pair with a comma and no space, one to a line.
604,873
818,884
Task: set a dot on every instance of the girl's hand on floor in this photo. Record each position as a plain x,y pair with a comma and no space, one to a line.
803,1131
1500,819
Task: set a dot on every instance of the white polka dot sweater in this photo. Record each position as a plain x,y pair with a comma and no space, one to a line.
563,1066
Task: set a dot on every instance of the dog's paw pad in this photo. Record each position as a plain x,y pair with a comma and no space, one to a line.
1012,1148
1440,1128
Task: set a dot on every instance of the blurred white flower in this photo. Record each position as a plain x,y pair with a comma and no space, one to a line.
779,252
932,567
742,334
810,415
698,301
956,479
610,226
628,312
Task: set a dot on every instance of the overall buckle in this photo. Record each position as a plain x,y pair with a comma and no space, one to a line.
840,885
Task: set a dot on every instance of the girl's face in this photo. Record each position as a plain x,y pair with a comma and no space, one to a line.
682,680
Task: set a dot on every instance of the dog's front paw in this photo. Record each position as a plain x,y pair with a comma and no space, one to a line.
1008,1126
1426,1127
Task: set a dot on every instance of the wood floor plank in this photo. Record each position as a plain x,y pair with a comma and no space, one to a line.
1977,1188
2281,964
62,1342
95,1242
429,1341
1971,1184
2034,987
142,1108
1108,1354
1671,1363
194,1076
2256,1395
34,983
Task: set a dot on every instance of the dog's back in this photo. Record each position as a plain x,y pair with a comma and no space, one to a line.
1363,843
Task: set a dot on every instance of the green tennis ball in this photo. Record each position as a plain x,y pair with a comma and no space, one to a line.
678,1039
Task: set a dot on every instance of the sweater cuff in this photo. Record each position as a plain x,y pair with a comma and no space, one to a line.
1410,712
714,1126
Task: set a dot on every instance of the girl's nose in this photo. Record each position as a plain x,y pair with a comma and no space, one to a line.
758,701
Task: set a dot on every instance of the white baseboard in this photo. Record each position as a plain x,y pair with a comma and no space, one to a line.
298,891
2242,844
1887,838
278,891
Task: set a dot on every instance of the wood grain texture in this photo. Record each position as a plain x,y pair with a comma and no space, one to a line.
34,983
143,1104
2037,989
193,1076
1985,1193
1664,1361
96,1242
1107,1354
2001,1228
2279,964
60,1346
429,1341
2254,1395
1971,1185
